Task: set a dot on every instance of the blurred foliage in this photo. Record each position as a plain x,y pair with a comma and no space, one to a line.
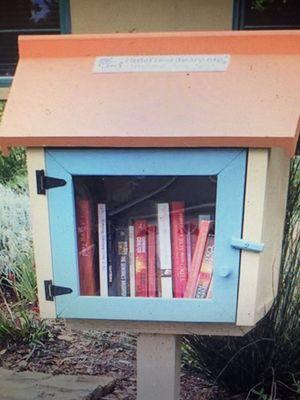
265,363
13,168
15,230
261,5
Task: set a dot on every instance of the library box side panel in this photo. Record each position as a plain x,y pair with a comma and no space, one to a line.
41,231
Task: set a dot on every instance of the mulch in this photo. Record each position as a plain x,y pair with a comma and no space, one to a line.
97,353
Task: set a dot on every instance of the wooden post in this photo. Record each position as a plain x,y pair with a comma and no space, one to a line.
158,367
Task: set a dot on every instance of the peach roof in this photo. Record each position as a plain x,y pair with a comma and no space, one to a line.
57,100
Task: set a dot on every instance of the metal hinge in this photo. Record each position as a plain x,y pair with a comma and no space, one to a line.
243,244
52,291
46,182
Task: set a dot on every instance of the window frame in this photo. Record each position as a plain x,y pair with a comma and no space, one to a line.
65,28
228,164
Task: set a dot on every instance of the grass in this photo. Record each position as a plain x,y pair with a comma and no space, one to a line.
265,363
20,325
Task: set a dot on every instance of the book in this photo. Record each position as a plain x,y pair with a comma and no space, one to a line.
102,245
178,242
112,291
210,289
158,271
191,232
122,262
191,286
206,270
131,260
164,235
141,275
151,260
88,277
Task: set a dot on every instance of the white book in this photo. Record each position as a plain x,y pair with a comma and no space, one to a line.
131,260
103,267
164,238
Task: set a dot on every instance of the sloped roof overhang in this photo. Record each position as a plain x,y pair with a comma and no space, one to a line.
56,100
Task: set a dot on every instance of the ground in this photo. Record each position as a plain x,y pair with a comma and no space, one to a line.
97,353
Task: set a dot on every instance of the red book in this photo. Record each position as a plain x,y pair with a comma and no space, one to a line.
89,285
206,271
191,286
151,261
178,241
140,244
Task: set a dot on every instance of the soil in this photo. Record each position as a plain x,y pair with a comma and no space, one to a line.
97,353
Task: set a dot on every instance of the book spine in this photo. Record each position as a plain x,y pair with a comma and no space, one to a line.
210,289
191,230
122,262
164,234
86,247
188,234
131,260
110,261
179,259
151,261
140,232
158,270
191,286
102,243
206,271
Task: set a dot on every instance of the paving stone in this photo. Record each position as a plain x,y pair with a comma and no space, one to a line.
28,385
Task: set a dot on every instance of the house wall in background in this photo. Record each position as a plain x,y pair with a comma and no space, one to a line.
106,16
109,16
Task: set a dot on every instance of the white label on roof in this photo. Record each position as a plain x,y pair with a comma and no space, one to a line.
175,63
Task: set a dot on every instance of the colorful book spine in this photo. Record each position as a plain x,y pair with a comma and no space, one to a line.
164,234
206,271
151,261
122,262
191,231
102,243
131,260
179,257
86,248
141,275
191,286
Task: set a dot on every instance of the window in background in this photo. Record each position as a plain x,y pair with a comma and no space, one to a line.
266,14
27,17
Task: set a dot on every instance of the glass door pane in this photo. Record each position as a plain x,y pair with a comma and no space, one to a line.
145,236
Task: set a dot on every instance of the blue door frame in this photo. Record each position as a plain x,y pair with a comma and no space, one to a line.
228,164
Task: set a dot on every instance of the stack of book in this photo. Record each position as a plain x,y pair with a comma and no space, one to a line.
169,256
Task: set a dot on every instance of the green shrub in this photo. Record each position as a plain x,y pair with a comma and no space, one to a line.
22,326
13,170
13,167
24,282
264,364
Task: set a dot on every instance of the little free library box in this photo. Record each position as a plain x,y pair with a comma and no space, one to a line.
158,170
